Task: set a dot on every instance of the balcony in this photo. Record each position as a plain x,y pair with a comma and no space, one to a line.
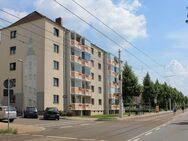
86,48
80,91
113,84
77,59
86,63
76,74
86,77
80,106
76,44
114,107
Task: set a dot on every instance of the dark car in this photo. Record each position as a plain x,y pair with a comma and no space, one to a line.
31,112
51,113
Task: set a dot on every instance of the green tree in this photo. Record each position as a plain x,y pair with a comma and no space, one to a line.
130,86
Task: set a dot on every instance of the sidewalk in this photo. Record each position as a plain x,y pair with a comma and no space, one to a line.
125,117
21,128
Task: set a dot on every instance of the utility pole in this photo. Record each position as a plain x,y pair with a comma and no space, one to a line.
8,101
120,88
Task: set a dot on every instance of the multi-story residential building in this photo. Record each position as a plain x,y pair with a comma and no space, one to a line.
35,44
53,66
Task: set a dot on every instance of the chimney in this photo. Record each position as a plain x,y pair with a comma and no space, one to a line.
59,21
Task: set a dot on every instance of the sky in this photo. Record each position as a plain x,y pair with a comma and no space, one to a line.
156,27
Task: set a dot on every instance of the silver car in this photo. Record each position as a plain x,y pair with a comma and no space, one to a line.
4,113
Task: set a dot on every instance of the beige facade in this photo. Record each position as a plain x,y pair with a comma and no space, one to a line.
35,30
60,68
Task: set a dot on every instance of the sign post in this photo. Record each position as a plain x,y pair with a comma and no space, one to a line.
8,84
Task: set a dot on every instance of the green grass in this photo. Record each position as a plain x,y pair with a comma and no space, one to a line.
105,117
10,131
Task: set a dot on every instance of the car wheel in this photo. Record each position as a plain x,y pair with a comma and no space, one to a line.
11,120
57,118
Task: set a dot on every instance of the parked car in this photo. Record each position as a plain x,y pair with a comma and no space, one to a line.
51,113
31,112
4,113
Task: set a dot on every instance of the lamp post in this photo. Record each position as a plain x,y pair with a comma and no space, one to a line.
21,61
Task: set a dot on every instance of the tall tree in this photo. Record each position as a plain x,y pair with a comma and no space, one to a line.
130,86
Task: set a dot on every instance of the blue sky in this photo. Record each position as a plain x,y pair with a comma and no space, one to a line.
156,27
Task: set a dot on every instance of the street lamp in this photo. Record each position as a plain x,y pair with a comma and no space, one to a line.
21,61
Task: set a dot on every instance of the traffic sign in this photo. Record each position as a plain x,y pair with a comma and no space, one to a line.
11,83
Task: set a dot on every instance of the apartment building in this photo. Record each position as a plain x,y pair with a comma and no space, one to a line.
52,66
31,54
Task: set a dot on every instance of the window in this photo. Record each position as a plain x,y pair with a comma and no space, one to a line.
56,65
55,99
92,76
12,66
56,48
85,84
100,102
99,54
14,82
100,90
99,77
92,63
12,50
56,32
86,70
76,51
86,56
56,82
76,67
99,66
76,82
92,51
93,101
92,88
13,34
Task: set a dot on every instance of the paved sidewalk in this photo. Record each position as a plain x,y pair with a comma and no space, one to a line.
21,128
125,117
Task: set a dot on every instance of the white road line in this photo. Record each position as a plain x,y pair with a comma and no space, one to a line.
24,134
157,129
148,133
66,127
103,140
59,137
88,139
84,124
136,139
37,135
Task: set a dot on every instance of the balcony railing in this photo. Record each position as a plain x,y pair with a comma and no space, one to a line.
80,91
76,44
114,107
81,106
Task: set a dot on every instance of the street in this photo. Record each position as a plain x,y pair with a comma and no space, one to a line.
156,127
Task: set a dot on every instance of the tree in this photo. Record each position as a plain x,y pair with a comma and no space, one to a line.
130,86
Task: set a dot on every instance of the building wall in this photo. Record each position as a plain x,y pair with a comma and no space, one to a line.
38,31
95,82
49,71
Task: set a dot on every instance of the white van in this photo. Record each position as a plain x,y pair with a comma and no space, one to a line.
4,113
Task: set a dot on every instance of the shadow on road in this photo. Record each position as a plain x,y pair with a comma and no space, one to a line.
181,123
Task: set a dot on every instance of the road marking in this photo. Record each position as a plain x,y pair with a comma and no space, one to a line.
164,125
148,133
37,135
66,127
157,129
103,140
84,124
59,137
136,139
24,134
88,139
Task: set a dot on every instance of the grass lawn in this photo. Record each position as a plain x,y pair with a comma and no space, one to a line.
6,131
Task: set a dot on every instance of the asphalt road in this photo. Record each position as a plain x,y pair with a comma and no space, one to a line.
151,128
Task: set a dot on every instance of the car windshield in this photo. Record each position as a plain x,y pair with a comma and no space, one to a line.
51,109
31,109
10,108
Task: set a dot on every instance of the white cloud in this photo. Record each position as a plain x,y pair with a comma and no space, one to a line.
120,17
10,18
177,75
